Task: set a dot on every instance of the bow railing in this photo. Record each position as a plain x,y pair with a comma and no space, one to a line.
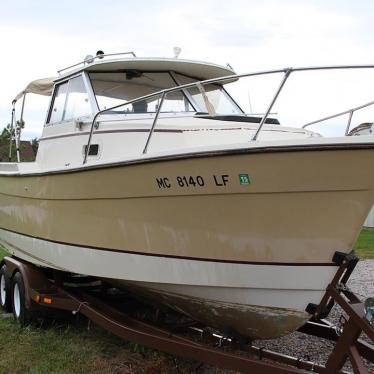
200,85
349,111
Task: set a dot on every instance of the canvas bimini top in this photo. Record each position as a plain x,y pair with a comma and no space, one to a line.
43,86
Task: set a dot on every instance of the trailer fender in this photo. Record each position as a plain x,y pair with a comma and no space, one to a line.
33,277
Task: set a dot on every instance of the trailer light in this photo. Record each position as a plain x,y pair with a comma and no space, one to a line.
47,300
369,310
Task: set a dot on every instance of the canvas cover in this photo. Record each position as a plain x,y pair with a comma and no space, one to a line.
43,86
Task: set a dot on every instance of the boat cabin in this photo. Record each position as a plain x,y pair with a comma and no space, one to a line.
127,95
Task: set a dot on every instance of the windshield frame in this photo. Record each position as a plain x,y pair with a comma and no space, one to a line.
90,95
220,87
183,93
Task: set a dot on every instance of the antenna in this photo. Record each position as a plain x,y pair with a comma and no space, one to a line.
177,51
229,66
250,103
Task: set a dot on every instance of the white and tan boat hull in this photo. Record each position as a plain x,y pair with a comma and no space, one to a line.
260,301
242,256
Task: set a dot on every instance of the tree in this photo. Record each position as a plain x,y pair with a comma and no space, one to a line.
4,143
5,134
35,145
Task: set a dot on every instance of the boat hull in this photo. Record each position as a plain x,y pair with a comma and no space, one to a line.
241,241
260,301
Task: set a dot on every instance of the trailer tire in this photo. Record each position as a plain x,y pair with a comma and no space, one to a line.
21,314
5,301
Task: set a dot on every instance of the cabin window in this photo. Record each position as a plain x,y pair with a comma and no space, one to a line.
77,102
70,101
117,88
58,103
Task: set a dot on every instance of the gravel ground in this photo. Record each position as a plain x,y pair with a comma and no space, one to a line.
315,349
305,346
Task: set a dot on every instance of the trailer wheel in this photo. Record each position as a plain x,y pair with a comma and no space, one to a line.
21,314
5,290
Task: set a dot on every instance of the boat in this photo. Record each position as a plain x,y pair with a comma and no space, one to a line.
151,177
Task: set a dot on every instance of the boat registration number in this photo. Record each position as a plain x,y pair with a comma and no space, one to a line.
198,181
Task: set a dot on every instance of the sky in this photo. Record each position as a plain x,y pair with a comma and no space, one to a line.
40,37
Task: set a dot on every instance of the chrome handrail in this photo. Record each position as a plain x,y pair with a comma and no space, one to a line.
154,122
349,111
168,90
12,122
286,75
287,72
93,58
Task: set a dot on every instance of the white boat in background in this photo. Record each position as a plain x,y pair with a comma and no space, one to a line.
149,175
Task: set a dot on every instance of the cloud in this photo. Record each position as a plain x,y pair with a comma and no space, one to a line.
41,37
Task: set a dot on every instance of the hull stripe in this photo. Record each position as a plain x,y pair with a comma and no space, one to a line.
173,256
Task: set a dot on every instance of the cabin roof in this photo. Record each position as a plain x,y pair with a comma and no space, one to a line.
196,69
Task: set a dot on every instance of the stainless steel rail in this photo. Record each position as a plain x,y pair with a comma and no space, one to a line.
349,111
163,95
90,60
11,130
287,72
286,75
165,91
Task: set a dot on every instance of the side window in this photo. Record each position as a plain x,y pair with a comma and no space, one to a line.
77,104
71,101
58,103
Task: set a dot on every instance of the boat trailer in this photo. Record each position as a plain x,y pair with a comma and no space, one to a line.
39,290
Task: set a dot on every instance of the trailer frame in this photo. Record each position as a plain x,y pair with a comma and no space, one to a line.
42,291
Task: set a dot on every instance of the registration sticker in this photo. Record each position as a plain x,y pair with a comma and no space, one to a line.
244,179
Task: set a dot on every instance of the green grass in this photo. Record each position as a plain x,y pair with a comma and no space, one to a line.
365,244
72,348
2,253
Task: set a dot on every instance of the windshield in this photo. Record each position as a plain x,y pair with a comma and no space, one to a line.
216,99
113,89
116,88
